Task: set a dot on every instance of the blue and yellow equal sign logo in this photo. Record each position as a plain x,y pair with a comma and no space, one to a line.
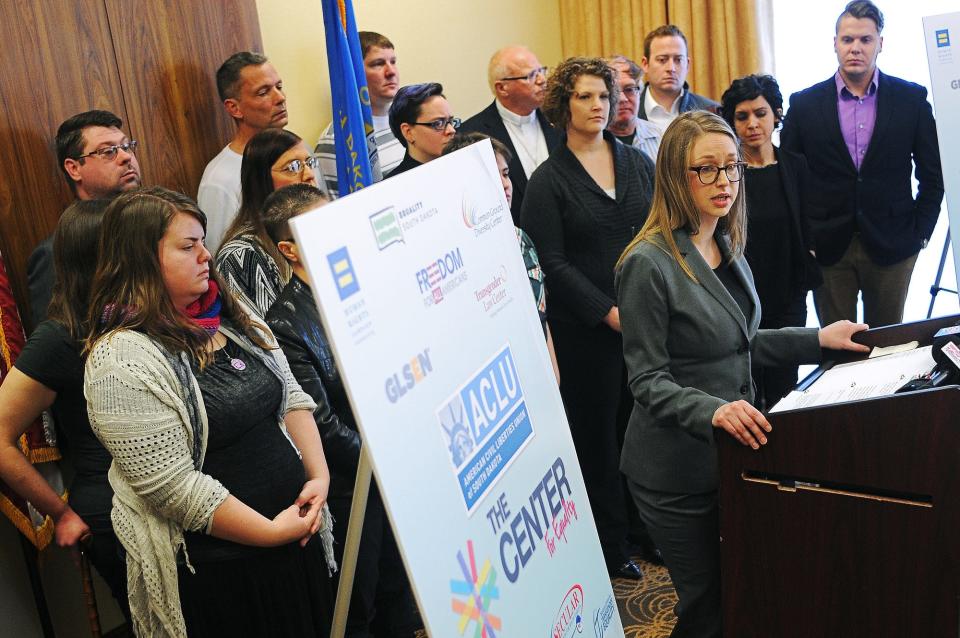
942,37
343,276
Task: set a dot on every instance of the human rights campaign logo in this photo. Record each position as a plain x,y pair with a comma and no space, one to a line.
343,275
485,425
942,36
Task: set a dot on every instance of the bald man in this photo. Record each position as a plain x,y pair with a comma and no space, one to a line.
518,82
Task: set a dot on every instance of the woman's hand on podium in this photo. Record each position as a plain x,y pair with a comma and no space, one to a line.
743,422
837,336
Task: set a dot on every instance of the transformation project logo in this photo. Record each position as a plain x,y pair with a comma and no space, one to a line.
473,595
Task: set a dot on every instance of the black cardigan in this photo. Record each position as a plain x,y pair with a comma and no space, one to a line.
579,231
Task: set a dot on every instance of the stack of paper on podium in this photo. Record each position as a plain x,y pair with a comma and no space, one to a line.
867,379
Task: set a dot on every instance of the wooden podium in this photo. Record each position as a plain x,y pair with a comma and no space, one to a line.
847,523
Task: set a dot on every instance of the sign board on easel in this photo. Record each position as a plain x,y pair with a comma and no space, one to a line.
426,300
942,37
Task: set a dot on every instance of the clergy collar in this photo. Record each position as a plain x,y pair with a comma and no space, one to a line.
513,118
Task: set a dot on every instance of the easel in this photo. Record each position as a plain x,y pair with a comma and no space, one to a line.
935,288
351,548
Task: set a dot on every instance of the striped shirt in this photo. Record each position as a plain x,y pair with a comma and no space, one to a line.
389,149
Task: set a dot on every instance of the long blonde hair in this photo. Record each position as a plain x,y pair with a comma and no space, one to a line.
673,206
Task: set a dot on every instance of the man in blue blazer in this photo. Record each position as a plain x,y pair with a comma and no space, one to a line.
861,132
517,80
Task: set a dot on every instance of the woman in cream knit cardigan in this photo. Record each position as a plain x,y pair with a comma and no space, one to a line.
218,471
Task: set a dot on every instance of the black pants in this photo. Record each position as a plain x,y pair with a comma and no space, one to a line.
774,383
382,602
592,384
686,529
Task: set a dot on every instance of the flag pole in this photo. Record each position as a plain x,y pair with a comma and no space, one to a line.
351,548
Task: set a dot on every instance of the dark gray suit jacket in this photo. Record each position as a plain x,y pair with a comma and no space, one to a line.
688,350
689,102
40,280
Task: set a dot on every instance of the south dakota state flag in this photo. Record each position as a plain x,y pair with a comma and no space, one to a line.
357,162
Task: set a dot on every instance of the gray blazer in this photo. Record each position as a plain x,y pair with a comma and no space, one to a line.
688,350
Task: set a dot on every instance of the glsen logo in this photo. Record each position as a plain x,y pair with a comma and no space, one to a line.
386,227
342,270
942,37
602,618
441,276
570,616
485,425
478,220
955,84
412,373
494,295
474,594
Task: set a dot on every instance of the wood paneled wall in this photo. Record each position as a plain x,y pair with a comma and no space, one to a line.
151,63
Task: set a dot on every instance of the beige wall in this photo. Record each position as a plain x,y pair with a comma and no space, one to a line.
436,40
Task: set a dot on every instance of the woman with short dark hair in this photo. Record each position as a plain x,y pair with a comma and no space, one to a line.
420,119
780,250
581,208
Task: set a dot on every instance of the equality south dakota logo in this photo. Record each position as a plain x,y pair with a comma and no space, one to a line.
485,425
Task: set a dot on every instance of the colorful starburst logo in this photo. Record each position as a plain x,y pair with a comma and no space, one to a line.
473,595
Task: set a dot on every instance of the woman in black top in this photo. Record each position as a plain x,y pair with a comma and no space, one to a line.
420,119
48,374
582,207
780,248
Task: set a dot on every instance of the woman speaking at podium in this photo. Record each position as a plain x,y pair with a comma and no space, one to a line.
690,316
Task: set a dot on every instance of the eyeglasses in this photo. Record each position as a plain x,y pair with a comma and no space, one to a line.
440,124
630,91
109,153
529,77
296,166
710,174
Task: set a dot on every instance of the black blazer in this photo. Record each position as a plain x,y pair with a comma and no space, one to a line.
40,280
489,122
689,102
878,200
579,231
794,176
689,349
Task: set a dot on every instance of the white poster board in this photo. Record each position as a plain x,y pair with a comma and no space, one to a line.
942,36
426,300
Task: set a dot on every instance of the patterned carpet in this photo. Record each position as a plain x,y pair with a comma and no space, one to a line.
646,606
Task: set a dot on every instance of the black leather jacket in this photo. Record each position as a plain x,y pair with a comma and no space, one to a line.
296,324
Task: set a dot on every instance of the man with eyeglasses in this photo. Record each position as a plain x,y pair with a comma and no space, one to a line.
383,82
518,82
252,94
631,130
98,162
666,63
862,133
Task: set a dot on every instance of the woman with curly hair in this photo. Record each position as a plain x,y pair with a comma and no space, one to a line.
582,207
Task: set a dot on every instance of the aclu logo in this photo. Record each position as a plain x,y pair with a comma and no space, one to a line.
569,618
485,425
412,373
441,276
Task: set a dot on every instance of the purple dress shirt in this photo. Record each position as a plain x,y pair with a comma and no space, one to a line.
857,117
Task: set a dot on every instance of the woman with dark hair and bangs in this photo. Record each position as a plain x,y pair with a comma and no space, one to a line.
218,468
48,374
249,262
